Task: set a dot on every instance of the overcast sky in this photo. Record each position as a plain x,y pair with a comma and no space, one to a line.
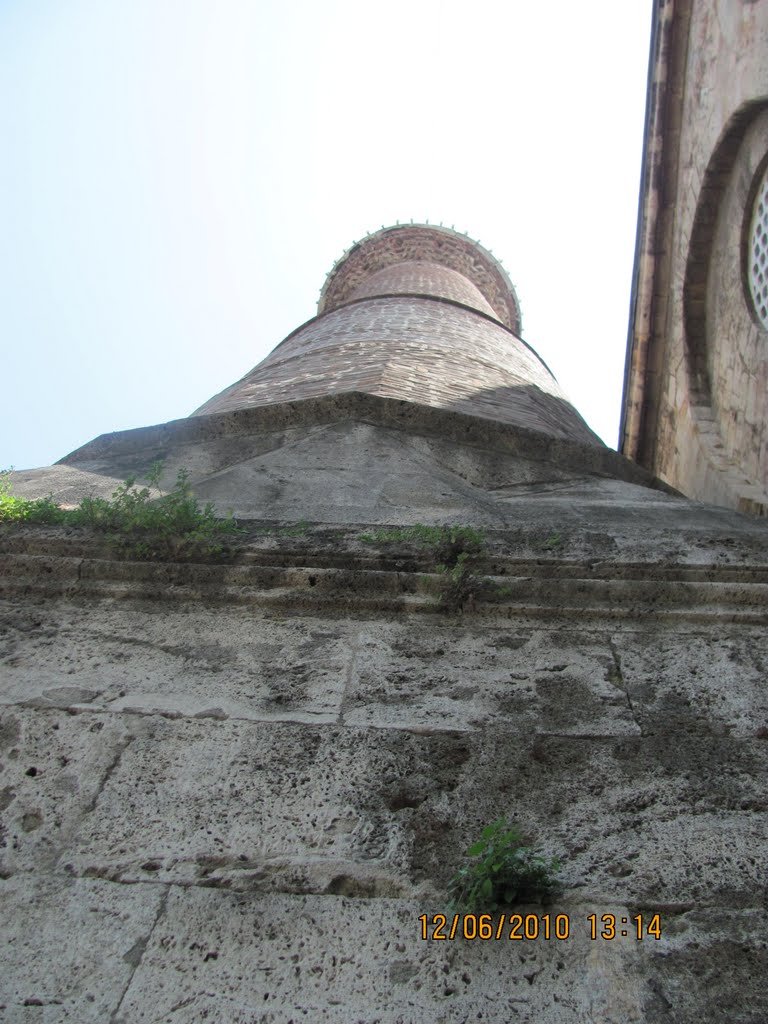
178,176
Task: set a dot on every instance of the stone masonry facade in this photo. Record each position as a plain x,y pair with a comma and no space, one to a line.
696,397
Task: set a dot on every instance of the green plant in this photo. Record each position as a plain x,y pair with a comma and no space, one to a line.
460,584
554,540
26,510
137,524
299,529
456,552
446,539
170,526
503,871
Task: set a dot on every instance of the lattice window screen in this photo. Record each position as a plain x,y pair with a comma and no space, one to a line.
758,253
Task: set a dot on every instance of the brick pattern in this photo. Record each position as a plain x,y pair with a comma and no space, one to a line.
417,277
422,243
415,349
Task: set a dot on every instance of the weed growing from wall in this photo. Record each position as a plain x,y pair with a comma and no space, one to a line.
553,541
169,527
457,552
503,871
24,510
461,583
443,539
138,525
299,529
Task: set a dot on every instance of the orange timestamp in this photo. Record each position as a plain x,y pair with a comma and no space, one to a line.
611,927
530,927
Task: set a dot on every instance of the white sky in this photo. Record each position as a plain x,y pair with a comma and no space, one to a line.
178,176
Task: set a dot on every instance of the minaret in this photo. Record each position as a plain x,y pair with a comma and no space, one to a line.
413,367
418,313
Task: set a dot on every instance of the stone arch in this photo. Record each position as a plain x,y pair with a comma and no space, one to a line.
725,345
716,179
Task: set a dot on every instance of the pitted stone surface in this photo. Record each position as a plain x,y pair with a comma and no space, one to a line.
593,746
526,685
284,959
248,809
70,947
729,697
53,767
316,671
241,783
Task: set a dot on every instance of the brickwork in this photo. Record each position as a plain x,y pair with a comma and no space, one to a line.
417,349
417,277
420,243
419,314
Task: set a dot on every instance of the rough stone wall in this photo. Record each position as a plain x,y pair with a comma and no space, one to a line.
700,424
236,790
229,791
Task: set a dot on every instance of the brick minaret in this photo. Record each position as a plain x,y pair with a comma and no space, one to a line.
422,314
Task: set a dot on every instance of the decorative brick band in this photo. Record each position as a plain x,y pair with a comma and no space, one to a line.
417,277
421,243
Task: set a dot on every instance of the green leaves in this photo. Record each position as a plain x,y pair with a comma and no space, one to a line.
448,540
457,552
26,510
169,527
166,527
503,871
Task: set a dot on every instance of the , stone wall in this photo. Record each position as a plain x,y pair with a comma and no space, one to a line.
695,401
735,342
229,791
235,788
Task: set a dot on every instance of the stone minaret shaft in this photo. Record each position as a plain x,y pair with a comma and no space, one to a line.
420,314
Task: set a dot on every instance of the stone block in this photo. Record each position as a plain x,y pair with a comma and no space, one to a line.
70,947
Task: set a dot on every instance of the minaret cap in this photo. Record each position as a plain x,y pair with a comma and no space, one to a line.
428,244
